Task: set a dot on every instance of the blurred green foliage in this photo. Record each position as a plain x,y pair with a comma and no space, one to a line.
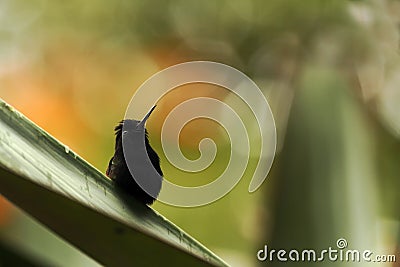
333,61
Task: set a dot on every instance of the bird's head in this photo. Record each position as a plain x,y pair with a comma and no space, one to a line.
132,126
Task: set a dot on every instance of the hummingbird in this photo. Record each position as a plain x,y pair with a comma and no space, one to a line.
135,166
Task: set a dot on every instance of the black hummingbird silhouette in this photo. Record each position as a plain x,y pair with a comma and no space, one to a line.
132,136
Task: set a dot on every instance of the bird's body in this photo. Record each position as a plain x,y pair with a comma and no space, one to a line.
118,169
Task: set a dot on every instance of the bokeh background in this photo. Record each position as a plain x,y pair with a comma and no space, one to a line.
329,68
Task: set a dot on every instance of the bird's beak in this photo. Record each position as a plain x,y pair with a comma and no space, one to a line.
143,122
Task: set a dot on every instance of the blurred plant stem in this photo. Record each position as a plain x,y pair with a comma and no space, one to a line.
326,170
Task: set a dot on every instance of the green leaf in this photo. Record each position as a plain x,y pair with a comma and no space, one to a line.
69,196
